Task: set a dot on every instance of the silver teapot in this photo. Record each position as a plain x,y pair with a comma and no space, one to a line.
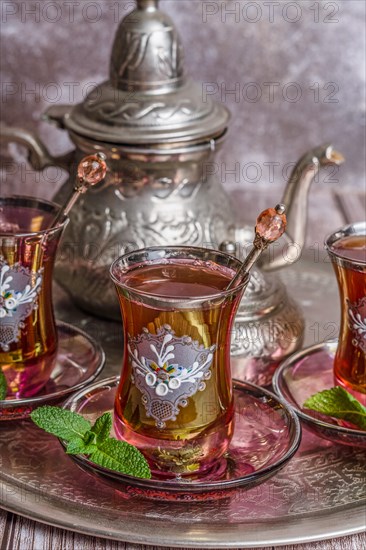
160,138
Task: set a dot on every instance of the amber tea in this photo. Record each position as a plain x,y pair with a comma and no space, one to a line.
175,394
28,336
347,249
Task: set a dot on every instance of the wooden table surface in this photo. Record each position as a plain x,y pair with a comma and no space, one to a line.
18,533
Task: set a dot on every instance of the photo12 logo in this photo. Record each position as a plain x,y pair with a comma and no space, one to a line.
69,11
267,172
270,92
270,12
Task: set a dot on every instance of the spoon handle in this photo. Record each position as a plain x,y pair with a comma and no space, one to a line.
91,170
270,226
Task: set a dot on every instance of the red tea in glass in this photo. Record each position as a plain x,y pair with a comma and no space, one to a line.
28,336
347,249
174,400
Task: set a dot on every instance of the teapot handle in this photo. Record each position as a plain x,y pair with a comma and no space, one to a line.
38,154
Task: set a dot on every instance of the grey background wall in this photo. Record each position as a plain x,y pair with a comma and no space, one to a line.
292,74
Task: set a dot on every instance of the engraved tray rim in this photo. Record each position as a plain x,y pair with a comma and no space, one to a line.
308,525
226,537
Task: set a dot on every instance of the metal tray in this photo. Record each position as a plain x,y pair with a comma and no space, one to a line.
318,495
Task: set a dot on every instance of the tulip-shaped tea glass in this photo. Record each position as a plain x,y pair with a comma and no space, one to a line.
347,250
174,400
28,336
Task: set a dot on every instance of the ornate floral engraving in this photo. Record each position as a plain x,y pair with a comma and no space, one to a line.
357,322
138,110
268,338
168,370
257,283
19,289
137,52
135,47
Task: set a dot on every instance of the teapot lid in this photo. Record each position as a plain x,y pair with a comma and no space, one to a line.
147,99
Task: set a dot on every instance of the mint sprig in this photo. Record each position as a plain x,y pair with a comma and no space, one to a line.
338,403
94,441
3,386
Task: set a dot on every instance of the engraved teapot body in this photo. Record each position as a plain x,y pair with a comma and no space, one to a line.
147,199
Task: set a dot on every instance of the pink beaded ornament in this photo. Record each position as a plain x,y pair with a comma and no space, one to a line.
271,223
270,226
91,170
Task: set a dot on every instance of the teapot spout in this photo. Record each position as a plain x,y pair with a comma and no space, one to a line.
296,196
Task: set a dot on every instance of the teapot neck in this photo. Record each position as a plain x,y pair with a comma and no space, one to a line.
147,5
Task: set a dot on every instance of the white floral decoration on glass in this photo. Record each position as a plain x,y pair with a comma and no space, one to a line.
18,298
168,370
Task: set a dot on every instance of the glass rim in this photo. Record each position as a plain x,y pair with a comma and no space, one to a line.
29,202
172,298
356,228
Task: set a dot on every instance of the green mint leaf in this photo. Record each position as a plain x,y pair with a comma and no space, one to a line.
338,403
102,427
64,424
121,457
76,446
90,438
94,441
3,386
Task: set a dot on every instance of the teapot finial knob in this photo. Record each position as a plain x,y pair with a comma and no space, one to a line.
147,55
